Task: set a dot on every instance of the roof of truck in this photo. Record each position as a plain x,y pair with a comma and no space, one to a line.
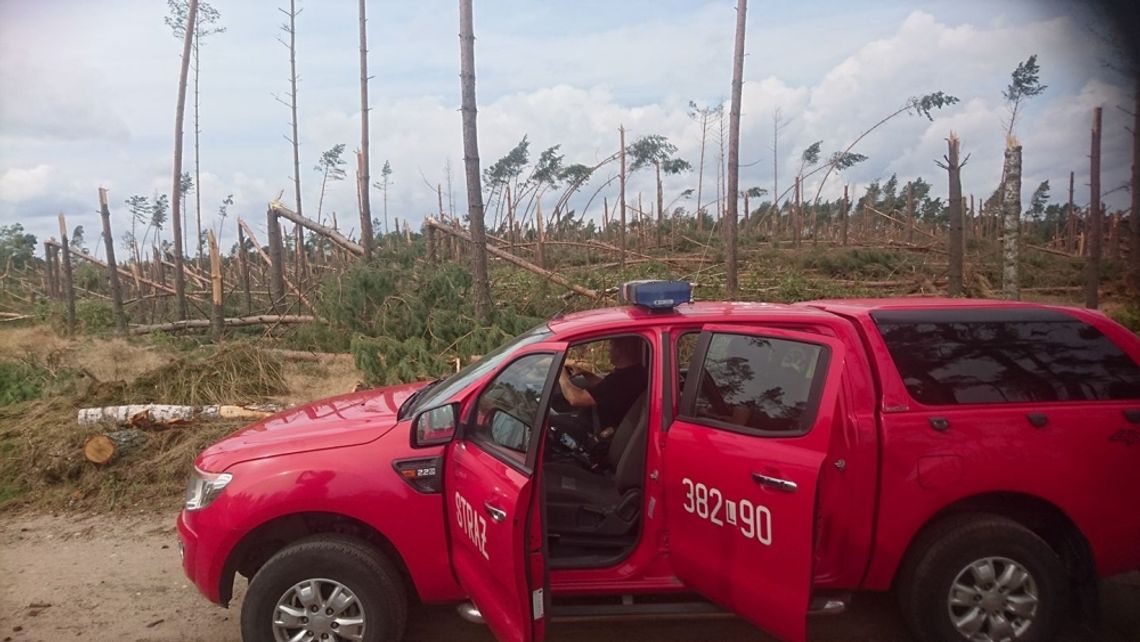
730,311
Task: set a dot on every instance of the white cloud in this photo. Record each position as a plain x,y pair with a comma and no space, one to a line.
19,184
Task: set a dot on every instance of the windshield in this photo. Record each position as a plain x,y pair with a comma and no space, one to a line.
447,388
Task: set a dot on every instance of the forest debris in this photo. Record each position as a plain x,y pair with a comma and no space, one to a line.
167,415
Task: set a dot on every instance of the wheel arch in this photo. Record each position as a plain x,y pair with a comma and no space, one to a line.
1042,517
264,541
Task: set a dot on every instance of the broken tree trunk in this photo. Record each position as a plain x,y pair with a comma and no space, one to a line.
953,167
277,254
123,271
165,415
68,283
843,218
215,286
112,269
733,183
526,265
101,449
621,199
236,322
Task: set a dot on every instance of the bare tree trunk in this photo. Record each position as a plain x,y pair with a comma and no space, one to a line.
215,286
957,248
732,191
68,283
1071,223
540,254
1011,213
797,215
366,232
112,269
295,140
176,190
621,198
277,259
471,163
1134,215
197,159
660,204
1095,224
700,169
843,218
910,213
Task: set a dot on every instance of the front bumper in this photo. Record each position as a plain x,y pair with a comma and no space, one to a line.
198,567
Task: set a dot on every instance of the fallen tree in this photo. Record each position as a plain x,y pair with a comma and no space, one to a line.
234,322
553,277
101,449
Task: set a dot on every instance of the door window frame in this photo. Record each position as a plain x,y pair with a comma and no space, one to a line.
693,379
501,453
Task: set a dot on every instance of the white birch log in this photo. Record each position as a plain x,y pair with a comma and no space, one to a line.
168,415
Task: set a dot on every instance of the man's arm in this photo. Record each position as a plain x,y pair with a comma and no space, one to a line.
575,396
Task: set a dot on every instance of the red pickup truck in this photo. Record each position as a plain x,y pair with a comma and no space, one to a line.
979,458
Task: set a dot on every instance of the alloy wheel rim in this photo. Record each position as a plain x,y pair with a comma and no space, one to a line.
318,610
993,599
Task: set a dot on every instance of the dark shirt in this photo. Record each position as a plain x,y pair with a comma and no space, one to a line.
614,394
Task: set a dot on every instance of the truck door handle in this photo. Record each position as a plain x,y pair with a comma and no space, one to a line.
1132,415
497,515
1037,419
774,482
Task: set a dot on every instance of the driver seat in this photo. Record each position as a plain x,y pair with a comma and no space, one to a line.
602,503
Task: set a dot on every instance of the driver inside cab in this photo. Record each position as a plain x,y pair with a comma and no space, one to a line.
613,395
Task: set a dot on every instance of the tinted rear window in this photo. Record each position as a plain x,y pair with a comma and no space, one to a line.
984,356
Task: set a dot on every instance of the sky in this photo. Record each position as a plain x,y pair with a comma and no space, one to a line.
88,93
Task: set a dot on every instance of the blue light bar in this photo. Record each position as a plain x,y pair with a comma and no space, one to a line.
657,295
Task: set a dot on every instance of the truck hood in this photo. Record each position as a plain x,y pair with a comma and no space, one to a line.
336,422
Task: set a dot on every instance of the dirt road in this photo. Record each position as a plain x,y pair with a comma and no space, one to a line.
117,577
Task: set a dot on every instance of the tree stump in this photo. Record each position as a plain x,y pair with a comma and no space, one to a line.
101,449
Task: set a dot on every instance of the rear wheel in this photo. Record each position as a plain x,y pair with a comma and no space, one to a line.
983,578
325,589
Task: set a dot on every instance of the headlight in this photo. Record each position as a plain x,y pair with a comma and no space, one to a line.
203,488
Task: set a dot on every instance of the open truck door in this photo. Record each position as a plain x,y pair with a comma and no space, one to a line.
491,495
742,463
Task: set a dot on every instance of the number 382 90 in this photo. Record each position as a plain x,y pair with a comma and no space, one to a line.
753,520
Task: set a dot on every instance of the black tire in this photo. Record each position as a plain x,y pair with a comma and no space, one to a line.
949,547
363,570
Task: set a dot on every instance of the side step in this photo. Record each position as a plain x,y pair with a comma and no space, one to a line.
820,605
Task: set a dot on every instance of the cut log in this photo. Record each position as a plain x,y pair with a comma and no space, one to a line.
101,449
236,322
164,415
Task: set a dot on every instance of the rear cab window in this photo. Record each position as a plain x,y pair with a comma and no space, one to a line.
992,356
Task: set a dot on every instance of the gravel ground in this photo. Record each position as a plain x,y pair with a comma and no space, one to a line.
104,577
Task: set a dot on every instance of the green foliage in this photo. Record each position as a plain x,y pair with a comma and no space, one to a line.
811,154
16,246
923,105
331,164
21,380
1025,81
408,320
844,160
509,167
94,315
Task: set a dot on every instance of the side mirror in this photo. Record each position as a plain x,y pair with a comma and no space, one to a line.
435,426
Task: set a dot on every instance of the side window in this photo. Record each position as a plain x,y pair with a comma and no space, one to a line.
759,384
949,361
507,409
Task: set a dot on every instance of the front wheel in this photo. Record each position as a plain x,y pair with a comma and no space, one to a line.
983,578
325,589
